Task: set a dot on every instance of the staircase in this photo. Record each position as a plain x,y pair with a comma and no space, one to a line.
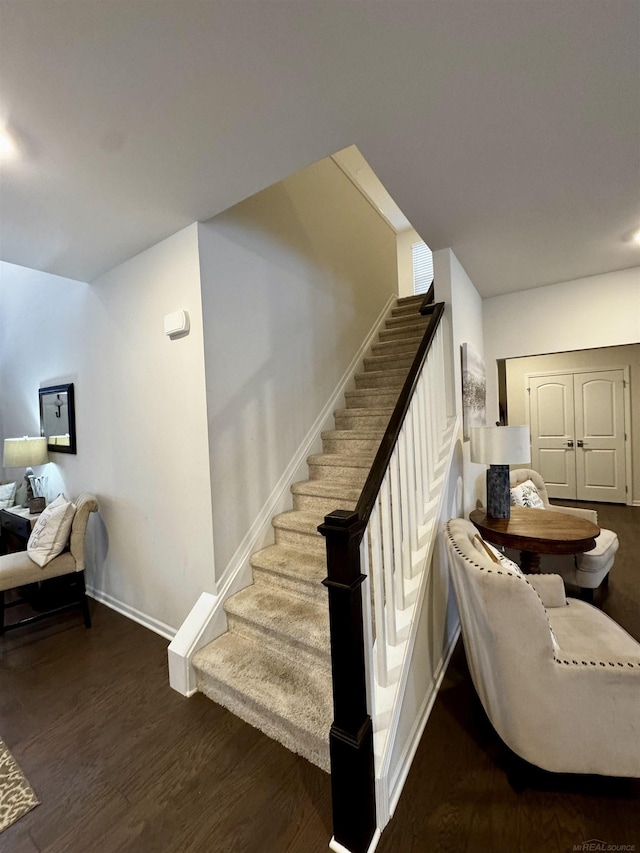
272,667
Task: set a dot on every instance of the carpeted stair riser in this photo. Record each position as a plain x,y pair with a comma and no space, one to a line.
362,418
351,441
381,379
295,522
388,362
412,331
331,466
289,569
405,320
323,496
301,541
403,310
276,619
397,347
288,701
374,398
323,506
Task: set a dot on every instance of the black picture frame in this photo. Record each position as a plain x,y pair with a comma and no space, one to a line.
62,399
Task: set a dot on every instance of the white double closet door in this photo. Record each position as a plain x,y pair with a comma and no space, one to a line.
577,423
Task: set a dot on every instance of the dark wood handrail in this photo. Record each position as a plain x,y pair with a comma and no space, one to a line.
429,297
371,488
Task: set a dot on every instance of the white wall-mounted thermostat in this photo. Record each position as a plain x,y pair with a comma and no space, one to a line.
177,324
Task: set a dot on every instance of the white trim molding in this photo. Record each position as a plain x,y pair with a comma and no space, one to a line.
155,625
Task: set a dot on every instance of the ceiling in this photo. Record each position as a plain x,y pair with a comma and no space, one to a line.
508,131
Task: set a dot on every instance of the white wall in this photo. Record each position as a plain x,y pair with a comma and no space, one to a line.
140,417
463,313
600,311
404,241
292,281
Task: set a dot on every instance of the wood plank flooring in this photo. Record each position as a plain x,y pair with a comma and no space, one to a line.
121,762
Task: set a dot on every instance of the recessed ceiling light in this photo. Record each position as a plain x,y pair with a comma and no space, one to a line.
8,147
636,236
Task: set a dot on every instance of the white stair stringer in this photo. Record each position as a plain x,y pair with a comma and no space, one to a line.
272,665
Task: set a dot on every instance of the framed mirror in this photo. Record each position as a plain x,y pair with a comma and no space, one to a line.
58,418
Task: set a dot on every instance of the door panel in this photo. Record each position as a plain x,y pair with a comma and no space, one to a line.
600,461
551,410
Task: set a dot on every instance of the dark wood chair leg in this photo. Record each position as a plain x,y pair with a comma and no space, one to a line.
84,601
1,613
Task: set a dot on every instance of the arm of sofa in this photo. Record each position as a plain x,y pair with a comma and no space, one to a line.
550,588
589,514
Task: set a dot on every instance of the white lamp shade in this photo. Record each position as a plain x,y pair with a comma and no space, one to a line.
25,452
500,445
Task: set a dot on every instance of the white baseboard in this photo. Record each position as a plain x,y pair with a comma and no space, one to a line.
155,625
207,619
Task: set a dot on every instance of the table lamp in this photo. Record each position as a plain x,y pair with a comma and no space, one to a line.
498,447
23,453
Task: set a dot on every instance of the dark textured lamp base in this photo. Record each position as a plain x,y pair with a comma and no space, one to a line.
498,494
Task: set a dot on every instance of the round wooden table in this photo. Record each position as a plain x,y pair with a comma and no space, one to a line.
537,531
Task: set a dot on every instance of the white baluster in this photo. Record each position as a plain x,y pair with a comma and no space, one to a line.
423,449
411,483
414,414
396,523
378,596
387,562
367,627
405,512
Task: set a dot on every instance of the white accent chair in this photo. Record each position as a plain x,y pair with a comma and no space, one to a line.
586,571
558,679
19,570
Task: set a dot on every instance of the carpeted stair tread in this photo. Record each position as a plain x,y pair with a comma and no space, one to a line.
364,398
295,570
325,495
342,460
283,617
352,441
409,331
327,489
371,412
288,700
394,377
391,361
405,310
354,434
416,299
299,521
406,320
401,345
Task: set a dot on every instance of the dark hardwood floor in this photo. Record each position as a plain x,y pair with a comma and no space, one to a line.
121,762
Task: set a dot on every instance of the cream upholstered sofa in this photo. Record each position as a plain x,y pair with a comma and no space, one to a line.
559,680
19,570
586,571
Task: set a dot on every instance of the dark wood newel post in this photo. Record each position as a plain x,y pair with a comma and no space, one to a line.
351,736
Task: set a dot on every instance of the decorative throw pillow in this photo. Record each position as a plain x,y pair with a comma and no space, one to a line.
51,532
7,495
526,494
497,556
